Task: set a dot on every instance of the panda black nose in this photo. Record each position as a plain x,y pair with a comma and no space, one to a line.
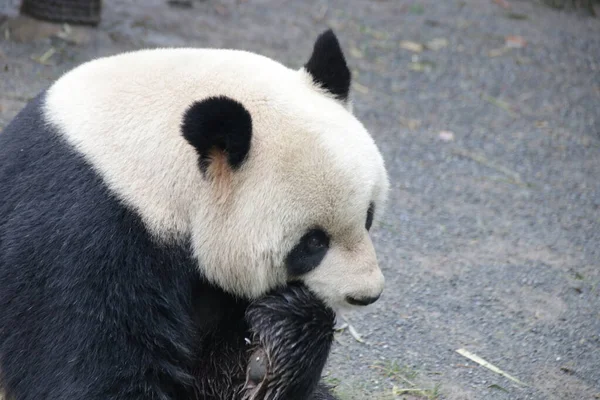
361,301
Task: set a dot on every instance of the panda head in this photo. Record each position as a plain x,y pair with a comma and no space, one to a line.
297,183
263,169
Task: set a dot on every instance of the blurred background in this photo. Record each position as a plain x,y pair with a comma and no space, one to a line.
488,116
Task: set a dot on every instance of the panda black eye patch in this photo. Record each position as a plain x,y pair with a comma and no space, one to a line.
308,253
370,213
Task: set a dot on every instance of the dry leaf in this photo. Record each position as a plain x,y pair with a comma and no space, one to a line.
378,35
411,124
515,42
221,10
437,44
320,14
411,46
76,36
356,53
424,66
502,3
497,52
361,88
446,136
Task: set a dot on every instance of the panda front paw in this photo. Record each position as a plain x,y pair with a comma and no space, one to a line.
292,336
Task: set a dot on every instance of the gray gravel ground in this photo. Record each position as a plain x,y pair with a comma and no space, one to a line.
492,238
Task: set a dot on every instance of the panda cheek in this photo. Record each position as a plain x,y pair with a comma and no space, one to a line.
317,282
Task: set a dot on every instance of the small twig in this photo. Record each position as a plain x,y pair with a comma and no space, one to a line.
406,390
396,374
16,97
464,366
499,103
509,181
337,339
515,177
491,367
351,329
415,392
180,3
43,59
355,334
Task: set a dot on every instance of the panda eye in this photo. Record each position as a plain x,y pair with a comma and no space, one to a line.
308,253
316,241
370,213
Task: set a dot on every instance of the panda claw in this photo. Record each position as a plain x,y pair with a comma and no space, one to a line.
257,367
256,375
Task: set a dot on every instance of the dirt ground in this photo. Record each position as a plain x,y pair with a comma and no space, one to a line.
488,115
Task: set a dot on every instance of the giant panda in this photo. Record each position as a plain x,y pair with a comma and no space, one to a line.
184,224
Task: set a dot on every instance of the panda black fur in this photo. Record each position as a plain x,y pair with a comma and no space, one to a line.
114,286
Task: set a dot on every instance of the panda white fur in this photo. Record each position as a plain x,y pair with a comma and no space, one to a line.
161,207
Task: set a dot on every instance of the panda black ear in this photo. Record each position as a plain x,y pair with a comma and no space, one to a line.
327,66
217,127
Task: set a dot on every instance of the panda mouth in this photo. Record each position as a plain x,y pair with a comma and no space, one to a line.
361,301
